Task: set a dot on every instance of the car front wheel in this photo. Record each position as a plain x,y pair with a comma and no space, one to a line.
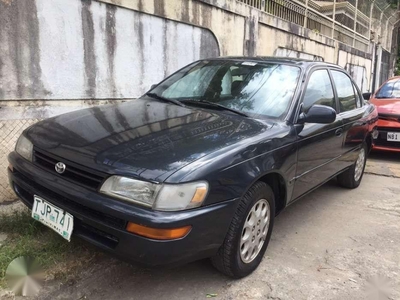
249,233
351,178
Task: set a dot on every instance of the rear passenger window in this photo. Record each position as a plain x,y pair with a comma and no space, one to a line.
319,91
345,91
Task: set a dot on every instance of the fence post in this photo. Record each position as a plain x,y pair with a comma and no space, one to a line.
378,67
387,40
371,10
333,18
305,15
386,34
380,21
380,28
393,55
355,24
371,87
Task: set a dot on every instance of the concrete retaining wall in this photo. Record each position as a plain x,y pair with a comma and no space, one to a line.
72,49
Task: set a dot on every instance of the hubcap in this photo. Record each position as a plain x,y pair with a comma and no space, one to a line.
254,231
359,165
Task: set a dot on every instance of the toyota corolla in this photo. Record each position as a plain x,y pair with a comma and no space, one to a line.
201,164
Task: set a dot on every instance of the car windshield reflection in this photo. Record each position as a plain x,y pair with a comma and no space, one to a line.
390,90
254,88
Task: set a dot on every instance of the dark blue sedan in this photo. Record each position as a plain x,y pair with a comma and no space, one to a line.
201,164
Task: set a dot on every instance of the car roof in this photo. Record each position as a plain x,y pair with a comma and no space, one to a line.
391,78
305,63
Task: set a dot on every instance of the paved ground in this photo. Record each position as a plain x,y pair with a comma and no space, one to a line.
332,244
386,164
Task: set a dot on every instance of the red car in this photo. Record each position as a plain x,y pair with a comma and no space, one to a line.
387,101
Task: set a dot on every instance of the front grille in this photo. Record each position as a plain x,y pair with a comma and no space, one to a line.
94,235
382,138
73,172
386,129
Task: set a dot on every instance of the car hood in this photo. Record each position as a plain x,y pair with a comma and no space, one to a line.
141,138
387,106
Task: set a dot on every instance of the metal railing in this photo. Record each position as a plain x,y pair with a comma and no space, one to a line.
287,10
255,3
351,22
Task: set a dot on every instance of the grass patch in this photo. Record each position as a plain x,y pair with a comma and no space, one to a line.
27,237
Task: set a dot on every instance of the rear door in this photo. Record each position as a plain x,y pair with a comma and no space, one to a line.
351,111
319,145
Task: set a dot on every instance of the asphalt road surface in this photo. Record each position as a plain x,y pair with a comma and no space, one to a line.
332,244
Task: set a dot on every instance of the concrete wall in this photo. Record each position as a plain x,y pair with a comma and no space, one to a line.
358,66
72,49
301,43
62,55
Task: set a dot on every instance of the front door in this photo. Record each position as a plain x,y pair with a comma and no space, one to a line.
352,112
319,145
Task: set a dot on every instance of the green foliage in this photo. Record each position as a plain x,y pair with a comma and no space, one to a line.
393,3
397,65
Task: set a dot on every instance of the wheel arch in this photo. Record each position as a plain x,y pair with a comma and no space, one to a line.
278,185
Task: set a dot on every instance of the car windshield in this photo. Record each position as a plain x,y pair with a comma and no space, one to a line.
390,89
254,88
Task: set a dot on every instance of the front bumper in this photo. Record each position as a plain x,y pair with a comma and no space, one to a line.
101,220
381,143
385,148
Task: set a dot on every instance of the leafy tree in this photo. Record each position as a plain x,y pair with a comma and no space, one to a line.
397,66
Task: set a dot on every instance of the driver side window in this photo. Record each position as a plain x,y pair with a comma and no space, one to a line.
319,91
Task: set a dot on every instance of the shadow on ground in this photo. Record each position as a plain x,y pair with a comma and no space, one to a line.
384,164
385,156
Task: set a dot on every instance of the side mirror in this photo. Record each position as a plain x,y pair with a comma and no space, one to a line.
366,96
153,86
318,114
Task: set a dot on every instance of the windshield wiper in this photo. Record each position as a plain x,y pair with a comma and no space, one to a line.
158,97
216,105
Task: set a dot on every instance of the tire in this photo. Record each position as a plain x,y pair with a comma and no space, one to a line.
348,178
231,257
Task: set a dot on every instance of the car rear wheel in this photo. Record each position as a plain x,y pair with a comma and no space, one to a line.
351,178
249,233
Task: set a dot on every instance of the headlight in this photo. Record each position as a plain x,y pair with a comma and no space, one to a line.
167,197
130,190
24,148
181,196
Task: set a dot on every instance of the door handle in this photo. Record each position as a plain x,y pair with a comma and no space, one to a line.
339,132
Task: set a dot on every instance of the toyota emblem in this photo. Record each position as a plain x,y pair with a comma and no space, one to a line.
60,167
